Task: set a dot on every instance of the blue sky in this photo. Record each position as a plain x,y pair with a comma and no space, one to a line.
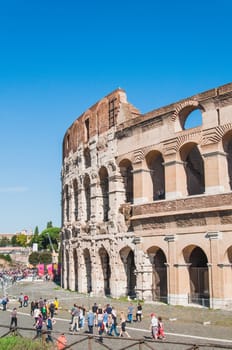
60,57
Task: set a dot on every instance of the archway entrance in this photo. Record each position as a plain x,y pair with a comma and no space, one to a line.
67,270
199,277
105,263
75,259
88,269
159,274
194,169
127,256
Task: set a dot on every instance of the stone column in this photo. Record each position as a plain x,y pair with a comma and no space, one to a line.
63,272
71,270
82,201
96,280
226,283
143,189
214,271
171,270
216,172
175,179
182,283
64,267
118,281
82,280
71,204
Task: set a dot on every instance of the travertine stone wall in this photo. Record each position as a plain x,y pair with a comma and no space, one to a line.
147,201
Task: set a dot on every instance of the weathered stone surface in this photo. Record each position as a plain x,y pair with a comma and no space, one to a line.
147,201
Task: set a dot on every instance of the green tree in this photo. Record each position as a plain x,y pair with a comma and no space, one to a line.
54,234
14,241
5,242
6,257
45,257
36,232
49,224
21,239
34,258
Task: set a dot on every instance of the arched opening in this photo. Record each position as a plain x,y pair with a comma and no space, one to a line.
126,170
87,158
155,161
75,193
194,168
159,274
67,204
227,145
127,256
104,184
67,270
105,263
193,120
87,197
88,270
198,275
229,253
75,260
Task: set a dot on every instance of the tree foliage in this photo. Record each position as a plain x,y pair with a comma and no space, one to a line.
21,240
36,232
14,241
43,238
5,242
36,258
6,257
49,224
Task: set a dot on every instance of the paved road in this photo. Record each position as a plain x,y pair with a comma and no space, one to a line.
190,325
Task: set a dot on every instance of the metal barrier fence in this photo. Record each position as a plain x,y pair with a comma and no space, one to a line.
87,341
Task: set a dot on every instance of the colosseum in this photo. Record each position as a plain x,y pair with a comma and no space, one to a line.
147,200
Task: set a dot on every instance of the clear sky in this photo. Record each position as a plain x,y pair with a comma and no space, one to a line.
59,57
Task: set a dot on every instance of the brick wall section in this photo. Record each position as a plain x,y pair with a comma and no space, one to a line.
184,204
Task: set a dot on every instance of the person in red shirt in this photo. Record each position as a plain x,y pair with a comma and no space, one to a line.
61,342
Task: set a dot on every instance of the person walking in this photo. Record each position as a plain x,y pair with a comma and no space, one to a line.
13,318
123,325
25,300
75,320
139,313
21,300
130,313
112,319
154,326
56,303
49,329
5,301
90,320
94,309
39,326
160,328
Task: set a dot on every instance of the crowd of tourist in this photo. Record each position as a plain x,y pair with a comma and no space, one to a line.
106,319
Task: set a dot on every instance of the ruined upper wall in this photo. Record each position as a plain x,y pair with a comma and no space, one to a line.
113,109
208,100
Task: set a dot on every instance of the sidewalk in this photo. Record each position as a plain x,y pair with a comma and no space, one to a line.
194,321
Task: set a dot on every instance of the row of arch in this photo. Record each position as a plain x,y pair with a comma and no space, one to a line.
194,168
189,155
83,203
193,256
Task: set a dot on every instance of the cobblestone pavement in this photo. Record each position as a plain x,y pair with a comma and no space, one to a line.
189,325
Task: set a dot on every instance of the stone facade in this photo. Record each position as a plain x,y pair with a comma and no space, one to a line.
147,201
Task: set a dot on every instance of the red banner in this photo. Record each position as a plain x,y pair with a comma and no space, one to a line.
40,269
50,269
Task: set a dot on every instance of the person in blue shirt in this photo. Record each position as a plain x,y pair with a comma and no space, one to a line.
90,320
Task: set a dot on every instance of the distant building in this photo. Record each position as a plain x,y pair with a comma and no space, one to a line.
147,201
